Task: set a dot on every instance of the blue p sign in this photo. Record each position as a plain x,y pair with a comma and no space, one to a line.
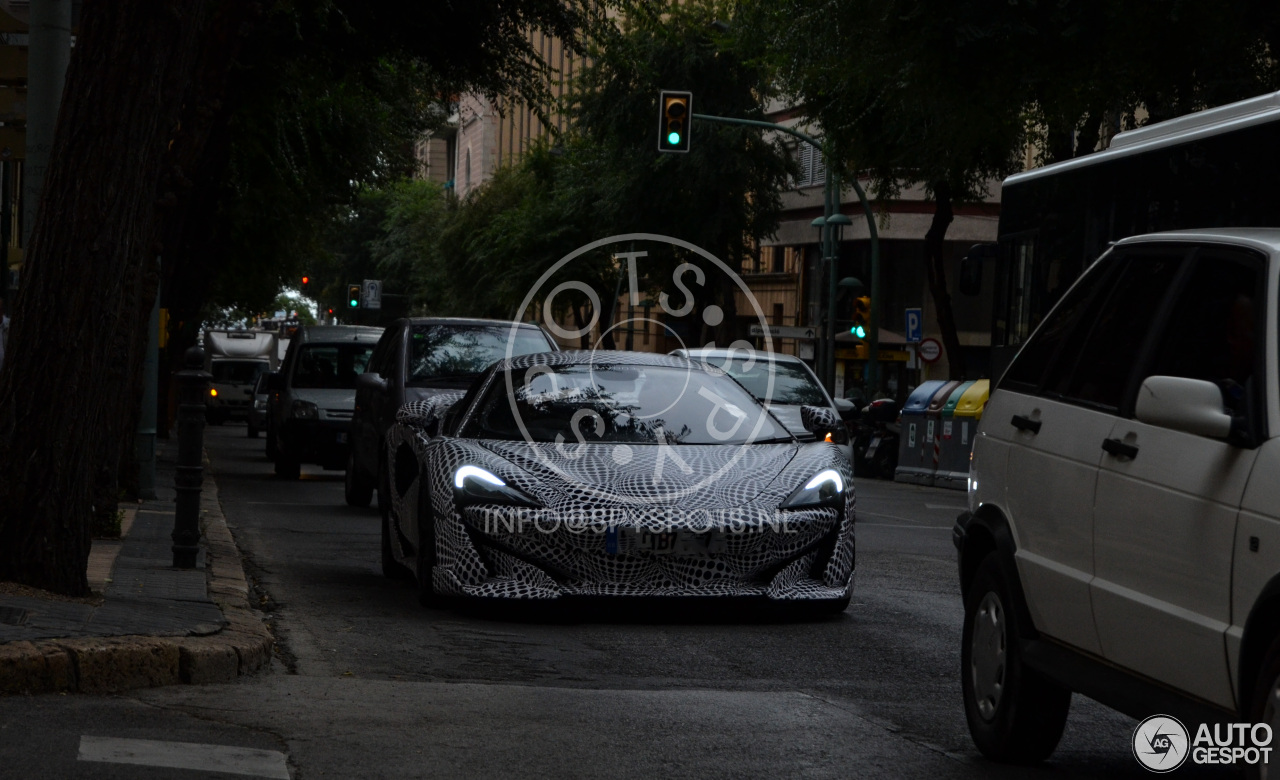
915,325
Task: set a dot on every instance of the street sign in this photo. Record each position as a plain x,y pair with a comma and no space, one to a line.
915,325
783,331
372,298
929,350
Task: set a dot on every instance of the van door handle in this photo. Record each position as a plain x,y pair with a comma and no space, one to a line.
1119,448
1025,423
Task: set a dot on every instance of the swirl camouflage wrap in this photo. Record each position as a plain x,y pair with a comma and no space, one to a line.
771,518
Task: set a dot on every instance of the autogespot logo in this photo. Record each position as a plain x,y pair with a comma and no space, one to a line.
1160,743
687,280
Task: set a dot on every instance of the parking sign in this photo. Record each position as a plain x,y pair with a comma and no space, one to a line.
372,294
915,325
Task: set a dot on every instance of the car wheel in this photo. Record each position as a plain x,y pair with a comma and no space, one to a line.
1264,704
357,492
391,568
426,551
1015,714
288,467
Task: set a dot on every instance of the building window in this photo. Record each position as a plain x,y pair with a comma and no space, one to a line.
779,264
813,169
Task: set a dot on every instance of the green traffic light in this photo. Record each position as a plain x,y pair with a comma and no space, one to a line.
673,139
858,331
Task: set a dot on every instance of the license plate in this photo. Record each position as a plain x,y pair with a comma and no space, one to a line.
342,438
634,541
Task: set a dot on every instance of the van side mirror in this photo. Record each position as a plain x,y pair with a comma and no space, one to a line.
970,278
1189,405
372,381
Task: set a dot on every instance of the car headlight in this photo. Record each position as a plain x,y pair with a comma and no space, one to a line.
474,485
259,404
825,489
304,410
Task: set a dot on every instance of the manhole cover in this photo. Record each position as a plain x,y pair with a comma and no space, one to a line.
13,616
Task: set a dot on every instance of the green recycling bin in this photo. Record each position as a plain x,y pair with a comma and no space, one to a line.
957,436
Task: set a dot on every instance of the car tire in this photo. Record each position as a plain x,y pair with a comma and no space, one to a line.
356,491
288,467
1015,714
1264,703
426,551
391,568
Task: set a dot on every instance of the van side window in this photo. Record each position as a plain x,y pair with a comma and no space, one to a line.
1115,330
1215,329
1028,371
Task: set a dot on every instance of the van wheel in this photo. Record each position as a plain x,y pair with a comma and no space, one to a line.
1264,703
1015,714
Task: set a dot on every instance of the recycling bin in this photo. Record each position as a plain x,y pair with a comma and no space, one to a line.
913,466
958,433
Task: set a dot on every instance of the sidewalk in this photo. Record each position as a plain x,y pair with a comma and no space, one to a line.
149,623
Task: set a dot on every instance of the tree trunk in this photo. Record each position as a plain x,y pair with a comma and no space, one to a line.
935,257
87,277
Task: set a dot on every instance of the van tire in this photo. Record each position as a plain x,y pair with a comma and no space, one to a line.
1015,714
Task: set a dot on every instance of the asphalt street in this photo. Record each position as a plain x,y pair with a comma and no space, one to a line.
367,683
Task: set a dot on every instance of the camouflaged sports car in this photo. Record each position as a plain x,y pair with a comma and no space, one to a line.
615,474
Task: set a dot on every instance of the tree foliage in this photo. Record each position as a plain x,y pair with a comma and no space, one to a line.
605,177
949,95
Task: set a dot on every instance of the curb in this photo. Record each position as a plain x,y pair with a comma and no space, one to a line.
120,663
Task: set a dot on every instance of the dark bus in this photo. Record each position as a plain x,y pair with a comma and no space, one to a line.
1214,168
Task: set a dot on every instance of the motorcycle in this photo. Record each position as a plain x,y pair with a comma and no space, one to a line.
876,438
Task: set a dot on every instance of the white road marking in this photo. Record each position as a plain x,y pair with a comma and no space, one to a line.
944,506
185,755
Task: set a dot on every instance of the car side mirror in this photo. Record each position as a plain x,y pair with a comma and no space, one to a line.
371,380
819,420
847,409
427,415
1189,405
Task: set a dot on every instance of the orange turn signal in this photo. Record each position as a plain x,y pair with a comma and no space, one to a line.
829,439
213,392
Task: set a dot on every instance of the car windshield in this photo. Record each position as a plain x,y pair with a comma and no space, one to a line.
244,371
603,402
792,384
462,351
333,366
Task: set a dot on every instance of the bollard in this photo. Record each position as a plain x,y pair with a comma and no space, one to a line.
193,385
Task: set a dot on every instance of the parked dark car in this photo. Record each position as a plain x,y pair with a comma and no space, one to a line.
414,360
313,394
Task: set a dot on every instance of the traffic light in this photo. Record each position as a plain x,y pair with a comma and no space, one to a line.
861,316
306,284
353,296
675,114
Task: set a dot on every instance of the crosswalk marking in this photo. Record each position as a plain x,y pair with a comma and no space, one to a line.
185,755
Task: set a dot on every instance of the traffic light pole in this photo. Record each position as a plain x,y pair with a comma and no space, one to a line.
831,202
